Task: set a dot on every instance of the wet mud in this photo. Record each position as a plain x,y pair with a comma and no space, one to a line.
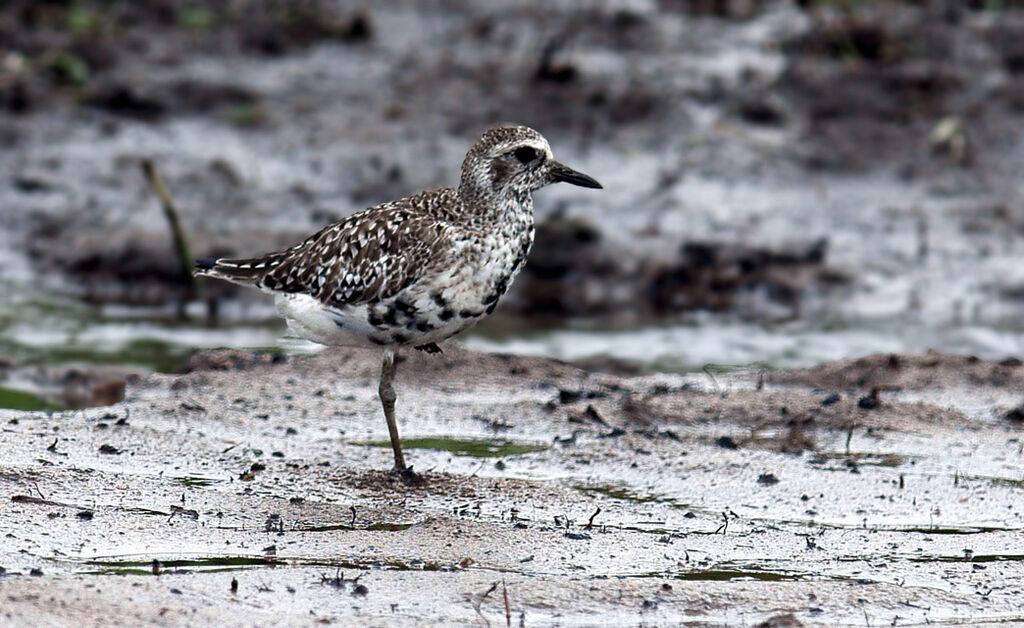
259,483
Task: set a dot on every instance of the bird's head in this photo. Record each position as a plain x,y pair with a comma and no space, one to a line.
516,160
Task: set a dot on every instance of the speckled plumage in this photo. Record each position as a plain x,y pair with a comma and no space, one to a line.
419,270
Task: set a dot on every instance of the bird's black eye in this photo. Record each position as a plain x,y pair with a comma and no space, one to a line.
525,154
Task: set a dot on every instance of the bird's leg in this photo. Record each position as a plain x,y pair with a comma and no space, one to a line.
387,399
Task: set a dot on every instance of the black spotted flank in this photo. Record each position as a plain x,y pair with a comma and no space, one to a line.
470,314
399,337
523,252
430,348
374,318
439,300
424,326
499,289
446,314
405,306
378,341
391,316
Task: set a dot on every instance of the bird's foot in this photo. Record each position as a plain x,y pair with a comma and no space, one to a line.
407,475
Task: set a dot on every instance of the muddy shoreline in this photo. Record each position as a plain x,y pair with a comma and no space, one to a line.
652,498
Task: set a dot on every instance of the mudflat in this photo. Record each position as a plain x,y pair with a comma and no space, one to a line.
252,489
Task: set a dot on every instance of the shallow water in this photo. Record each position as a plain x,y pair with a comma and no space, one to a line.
49,330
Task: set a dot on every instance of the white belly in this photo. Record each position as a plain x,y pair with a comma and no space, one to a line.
308,318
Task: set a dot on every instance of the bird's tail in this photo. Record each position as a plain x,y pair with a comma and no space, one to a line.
243,271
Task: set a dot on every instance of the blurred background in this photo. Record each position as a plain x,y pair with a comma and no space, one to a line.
785,182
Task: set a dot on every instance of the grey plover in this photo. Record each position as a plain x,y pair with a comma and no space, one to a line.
412,272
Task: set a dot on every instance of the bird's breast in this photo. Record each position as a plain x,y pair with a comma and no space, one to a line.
456,290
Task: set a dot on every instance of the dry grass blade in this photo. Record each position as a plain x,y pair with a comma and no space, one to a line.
170,210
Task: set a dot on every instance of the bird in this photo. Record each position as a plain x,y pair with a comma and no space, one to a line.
416,271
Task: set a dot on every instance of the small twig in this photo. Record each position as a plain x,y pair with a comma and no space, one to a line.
338,581
849,436
725,526
590,523
480,602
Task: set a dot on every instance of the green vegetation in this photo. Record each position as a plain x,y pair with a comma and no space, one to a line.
248,115
67,68
196,18
81,19
11,399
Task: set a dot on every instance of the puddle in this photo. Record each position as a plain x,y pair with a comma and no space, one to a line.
728,571
211,564
965,557
726,575
197,480
994,481
460,447
909,529
373,527
973,558
146,511
621,493
214,564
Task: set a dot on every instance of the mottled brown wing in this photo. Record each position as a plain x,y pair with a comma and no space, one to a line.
368,256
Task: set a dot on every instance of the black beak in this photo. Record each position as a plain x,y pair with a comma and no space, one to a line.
568,175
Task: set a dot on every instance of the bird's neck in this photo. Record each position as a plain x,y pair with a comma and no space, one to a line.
487,207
